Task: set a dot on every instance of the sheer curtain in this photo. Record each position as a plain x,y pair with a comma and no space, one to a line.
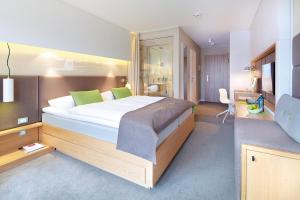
133,68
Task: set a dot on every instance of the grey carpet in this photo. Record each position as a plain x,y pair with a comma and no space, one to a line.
203,170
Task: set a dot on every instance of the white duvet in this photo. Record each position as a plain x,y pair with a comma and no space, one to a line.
107,113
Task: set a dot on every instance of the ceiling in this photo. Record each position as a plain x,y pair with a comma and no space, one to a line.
217,17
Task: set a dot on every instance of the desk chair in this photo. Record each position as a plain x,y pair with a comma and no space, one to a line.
224,100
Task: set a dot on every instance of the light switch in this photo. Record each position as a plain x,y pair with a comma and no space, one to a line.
22,120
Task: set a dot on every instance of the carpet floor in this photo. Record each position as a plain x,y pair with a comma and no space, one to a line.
202,170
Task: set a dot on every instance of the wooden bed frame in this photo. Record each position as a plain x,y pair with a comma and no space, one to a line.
101,154
105,156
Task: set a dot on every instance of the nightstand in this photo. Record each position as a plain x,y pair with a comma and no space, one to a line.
11,142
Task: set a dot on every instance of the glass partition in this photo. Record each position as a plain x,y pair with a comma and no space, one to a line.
156,67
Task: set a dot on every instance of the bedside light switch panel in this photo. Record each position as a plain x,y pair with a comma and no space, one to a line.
22,120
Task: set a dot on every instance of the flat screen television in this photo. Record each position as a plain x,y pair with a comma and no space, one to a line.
268,78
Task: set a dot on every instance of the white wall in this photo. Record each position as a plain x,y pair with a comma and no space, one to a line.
33,61
54,24
240,56
272,24
215,50
264,30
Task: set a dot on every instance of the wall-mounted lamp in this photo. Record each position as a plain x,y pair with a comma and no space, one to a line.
8,83
128,86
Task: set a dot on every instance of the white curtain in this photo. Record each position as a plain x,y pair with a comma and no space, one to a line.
133,68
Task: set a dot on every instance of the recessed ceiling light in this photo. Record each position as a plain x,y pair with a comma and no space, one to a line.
211,42
197,14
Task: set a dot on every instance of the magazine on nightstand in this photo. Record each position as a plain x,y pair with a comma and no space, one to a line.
32,147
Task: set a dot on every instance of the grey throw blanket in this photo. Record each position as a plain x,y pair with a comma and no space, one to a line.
139,129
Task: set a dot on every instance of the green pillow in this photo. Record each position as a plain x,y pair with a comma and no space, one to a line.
120,93
86,97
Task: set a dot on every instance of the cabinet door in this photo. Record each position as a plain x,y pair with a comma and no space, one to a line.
271,177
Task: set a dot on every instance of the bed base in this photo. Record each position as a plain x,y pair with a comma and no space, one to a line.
105,156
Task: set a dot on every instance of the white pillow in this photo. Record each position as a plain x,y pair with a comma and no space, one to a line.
65,102
107,96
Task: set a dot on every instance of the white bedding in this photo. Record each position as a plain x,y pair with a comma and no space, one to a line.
108,113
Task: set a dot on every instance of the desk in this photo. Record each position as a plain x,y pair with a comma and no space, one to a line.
242,112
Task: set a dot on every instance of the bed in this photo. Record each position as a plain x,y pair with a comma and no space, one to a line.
92,137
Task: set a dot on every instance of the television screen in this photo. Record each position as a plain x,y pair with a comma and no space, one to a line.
268,78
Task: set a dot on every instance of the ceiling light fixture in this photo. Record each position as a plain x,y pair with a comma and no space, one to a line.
211,42
197,15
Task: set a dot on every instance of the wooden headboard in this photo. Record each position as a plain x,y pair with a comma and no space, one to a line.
53,87
296,69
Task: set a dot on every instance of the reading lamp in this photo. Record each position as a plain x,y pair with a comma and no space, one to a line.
8,83
128,86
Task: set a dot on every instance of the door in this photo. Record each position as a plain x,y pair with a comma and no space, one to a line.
193,77
216,76
272,177
186,74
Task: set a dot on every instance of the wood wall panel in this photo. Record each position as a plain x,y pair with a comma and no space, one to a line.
267,56
270,58
258,65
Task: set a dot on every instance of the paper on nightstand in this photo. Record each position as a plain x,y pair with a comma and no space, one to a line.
32,147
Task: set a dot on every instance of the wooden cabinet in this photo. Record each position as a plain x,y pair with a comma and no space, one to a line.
269,174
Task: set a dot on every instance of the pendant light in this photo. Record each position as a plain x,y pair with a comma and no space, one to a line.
8,83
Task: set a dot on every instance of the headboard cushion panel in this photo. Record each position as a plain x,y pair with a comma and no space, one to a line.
53,87
296,63
296,51
296,82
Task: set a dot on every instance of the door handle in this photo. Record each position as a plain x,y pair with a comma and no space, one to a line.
252,158
206,78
